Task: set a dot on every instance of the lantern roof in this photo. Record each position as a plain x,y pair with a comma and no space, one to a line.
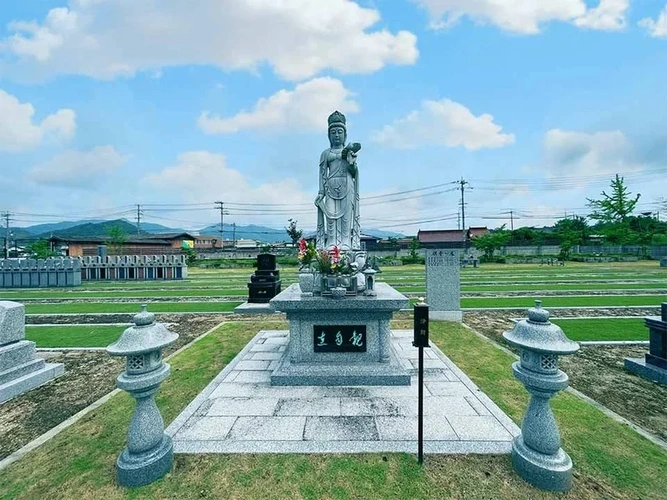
144,336
537,333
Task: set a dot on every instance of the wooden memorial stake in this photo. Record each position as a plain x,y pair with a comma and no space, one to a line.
420,341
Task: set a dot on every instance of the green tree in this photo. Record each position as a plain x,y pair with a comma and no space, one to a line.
414,246
574,231
190,256
492,241
40,249
293,232
615,207
117,238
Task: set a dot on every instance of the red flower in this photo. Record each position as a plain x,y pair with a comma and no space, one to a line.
302,245
335,254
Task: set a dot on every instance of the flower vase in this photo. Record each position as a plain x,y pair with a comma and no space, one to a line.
306,283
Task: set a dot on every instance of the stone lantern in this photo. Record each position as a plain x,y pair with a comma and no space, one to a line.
536,453
149,452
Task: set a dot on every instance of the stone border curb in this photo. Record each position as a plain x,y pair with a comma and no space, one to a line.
35,443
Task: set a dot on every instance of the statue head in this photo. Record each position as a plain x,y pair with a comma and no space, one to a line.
337,130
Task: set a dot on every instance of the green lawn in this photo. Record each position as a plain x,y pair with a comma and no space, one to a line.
128,307
610,459
604,329
564,301
125,294
73,335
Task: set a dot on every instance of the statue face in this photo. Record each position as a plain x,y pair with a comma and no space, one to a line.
336,136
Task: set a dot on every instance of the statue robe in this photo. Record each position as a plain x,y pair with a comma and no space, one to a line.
338,212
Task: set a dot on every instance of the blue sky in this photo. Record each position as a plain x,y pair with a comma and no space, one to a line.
173,105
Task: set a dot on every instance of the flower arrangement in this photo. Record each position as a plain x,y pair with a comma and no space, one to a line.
307,253
332,262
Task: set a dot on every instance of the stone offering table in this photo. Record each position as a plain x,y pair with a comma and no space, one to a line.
340,342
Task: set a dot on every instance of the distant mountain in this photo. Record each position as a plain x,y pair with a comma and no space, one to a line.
151,227
251,232
90,229
100,228
382,234
42,229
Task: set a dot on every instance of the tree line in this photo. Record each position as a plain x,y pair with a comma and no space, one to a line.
611,221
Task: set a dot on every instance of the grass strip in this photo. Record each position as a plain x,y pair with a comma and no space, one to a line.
125,294
603,329
605,452
73,335
565,301
128,307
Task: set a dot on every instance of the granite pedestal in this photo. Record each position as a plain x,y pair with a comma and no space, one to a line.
20,369
313,357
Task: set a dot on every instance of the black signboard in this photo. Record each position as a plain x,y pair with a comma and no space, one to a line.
339,338
421,325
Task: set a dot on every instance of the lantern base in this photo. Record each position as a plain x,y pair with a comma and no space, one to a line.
547,472
139,469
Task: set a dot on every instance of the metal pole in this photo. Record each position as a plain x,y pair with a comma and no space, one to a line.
420,414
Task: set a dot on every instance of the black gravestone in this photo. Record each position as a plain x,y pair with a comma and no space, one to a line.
265,281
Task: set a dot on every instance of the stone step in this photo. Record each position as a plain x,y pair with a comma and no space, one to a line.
16,353
21,370
23,384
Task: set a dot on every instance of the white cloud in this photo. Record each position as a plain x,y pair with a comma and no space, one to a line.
586,157
304,108
78,168
656,28
18,131
609,15
205,176
527,16
445,123
110,38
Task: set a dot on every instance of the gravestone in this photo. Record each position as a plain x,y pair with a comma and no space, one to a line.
265,281
654,364
443,284
20,370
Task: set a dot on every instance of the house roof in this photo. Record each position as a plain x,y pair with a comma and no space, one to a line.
169,236
102,240
448,235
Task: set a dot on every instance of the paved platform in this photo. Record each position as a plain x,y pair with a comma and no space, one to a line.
240,412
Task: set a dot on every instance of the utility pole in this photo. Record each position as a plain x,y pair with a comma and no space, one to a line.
463,183
221,206
512,220
458,219
6,215
139,213
234,233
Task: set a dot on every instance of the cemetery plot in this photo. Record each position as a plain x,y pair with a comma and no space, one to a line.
594,441
88,376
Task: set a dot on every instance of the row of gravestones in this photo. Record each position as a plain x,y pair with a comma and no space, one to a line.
36,273
70,271
133,260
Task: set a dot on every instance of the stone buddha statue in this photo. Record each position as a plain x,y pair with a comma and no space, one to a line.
337,200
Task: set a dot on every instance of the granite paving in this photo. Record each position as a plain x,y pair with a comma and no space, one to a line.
240,412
